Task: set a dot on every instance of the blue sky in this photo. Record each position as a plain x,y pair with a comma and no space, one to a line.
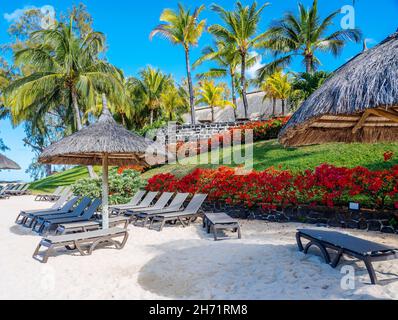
127,25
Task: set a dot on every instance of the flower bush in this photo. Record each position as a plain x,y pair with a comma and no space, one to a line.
121,186
271,189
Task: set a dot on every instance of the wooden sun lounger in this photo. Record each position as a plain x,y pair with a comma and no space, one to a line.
142,217
38,224
85,243
146,202
220,221
87,215
27,218
344,244
186,217
133,202
87,226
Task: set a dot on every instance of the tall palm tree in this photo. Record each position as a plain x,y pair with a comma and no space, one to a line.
149,88
304,35
183,28
228,59
278,86
66,70
240,29
213,96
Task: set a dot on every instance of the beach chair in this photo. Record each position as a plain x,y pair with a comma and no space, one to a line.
133,202
23,190
145,203
27,218
185,217
3,194
142,217
85,243
15,188
344,244
163,200
45,197
213,222
88,214
86,226
38,224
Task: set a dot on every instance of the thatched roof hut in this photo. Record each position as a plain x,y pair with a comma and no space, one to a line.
359,103
7,164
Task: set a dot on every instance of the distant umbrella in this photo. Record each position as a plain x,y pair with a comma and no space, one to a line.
103,143
7,164
359,103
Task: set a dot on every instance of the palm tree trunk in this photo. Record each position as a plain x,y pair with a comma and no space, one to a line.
151,117
79,125
283,107
244,85
190,86
308,63
212,114
273,107
234,102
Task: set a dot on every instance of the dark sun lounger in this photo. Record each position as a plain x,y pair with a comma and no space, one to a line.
344,244
220,221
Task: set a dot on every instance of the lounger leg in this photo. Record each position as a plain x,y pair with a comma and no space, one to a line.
336,260
79,248
239,232
372,273
324,252
299,242
162,224
215,232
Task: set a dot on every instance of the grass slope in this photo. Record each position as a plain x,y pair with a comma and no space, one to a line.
272,154
65,178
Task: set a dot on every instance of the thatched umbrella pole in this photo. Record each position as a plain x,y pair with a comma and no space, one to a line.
105,192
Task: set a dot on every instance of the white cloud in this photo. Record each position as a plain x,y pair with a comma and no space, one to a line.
48,12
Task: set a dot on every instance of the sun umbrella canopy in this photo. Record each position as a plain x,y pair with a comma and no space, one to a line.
359,103
106,143
89,145
7,164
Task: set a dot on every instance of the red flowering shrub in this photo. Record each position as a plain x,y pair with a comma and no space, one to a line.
271,189
137,168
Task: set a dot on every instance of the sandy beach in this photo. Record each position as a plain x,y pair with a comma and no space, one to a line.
183,263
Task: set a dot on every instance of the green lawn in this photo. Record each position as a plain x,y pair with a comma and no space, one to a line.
266,154
272,154
65,178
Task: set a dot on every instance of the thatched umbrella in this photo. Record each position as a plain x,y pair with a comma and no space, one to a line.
7,164
104,143
359,103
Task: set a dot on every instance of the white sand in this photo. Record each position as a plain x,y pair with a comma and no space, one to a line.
182,264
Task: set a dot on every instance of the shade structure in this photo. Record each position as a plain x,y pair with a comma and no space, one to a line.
7,164
359,103
104,143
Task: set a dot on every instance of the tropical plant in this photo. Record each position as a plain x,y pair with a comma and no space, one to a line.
149,87
183,28
240,30
304,35
278,86
308,83
213,96
172,103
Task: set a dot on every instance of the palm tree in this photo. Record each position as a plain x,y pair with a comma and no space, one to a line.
149,87
240,29
66,70
185,29
308,83
303,35
228,59
171,102
213,96
278,86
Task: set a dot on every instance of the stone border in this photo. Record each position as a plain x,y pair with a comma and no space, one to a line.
370,220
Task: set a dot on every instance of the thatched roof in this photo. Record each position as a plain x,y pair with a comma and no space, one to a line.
89,145
7,164
359,103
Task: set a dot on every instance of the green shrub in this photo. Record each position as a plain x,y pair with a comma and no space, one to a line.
121,186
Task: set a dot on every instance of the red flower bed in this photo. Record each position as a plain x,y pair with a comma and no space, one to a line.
271,189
